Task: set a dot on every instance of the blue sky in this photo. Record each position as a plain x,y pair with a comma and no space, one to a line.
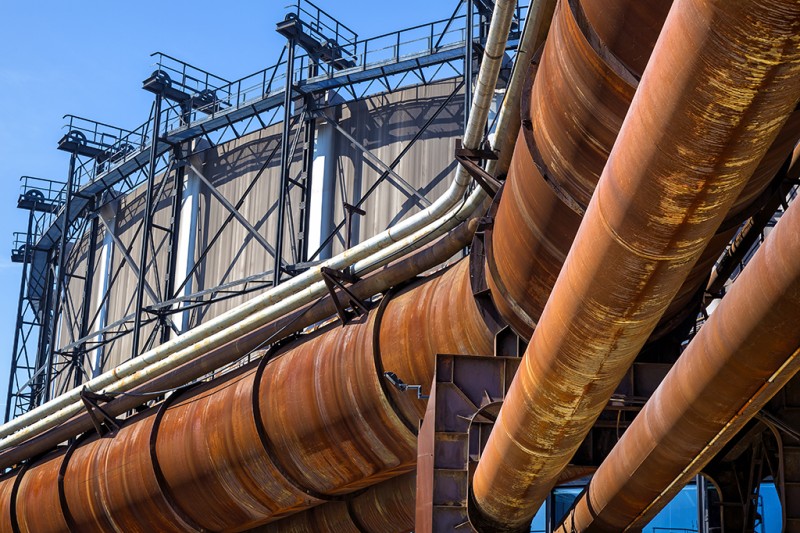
88,58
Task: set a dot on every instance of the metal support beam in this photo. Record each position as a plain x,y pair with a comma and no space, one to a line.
20,317
62,252
136,270
392,165
88,285
233,211
388,169
151,176
42,382
174,233
285,161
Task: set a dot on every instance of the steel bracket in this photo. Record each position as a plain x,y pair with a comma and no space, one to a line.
470,159
335,278
103,422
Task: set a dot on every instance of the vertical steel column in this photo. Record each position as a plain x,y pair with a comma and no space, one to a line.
468,62
62,249
151,176
18,328
44,343
308,174
287,115
169,276
88,282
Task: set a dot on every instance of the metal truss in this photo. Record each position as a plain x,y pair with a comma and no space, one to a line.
190,105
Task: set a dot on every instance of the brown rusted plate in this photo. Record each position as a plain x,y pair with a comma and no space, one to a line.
213,460
437,316
326,415
38,507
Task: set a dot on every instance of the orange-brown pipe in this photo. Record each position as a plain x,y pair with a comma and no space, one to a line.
574,110
391,275
387,507
310,423
715,94
746,350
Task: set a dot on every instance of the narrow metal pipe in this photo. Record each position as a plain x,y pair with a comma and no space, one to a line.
701,120
746,351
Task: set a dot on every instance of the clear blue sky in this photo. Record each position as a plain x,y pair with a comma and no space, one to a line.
88,58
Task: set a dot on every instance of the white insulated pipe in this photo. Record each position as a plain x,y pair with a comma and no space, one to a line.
403,237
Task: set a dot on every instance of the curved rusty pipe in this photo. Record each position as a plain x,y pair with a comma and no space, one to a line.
743,354
574,110
715,94
311,423
389,276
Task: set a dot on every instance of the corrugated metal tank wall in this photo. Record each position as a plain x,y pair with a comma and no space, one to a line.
384,124
123,294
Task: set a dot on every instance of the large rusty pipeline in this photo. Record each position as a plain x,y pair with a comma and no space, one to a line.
714,96
573,112
743,354
389,276
311,422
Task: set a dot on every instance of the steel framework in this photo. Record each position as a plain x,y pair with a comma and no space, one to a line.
194,109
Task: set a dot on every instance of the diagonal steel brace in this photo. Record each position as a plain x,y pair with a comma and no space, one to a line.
103,422
335,278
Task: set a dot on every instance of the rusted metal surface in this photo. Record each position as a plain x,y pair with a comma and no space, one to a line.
747,349
38,508
126,497
700,122
387,507
577,104
765,172
627,30
332,517
6,502
543,229
393,274
437,316
313,420
326,416
213,460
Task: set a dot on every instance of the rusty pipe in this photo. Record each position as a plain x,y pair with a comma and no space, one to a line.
388,276
701,120
576,98
745,352
387,507
309,423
